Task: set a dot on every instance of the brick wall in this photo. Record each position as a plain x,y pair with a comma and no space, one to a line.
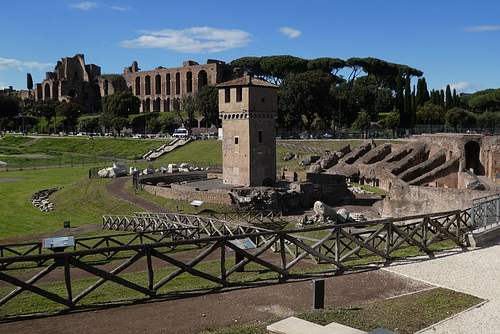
184,193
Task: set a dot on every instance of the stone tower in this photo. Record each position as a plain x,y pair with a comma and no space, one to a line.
248,108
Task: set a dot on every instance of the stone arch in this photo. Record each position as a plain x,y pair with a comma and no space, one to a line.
472,157
202,79
156,104
147,85
72,93
166,106
189,82
147,105
167,79
177,83
158,84
137,86
47,90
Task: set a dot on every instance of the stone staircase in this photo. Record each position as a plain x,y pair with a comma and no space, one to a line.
293,325
165,148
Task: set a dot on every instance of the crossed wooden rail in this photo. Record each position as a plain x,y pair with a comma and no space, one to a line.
284,249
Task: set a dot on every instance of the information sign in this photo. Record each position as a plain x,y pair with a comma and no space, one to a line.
241,244
60,242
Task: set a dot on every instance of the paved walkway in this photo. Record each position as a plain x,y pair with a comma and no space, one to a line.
475,272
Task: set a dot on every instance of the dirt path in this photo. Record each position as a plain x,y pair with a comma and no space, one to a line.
116,188
198,311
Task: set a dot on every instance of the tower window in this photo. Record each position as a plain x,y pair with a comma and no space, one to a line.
260,136
227,94
236,140
239,94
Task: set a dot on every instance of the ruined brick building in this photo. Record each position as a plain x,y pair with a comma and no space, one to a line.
73,80
157,89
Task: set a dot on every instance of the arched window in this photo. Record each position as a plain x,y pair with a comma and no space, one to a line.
189,82
168,83
158,84
47,90
177,83
147,85
157,103
138,86
202,79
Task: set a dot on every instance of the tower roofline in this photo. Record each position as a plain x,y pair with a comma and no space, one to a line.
247,80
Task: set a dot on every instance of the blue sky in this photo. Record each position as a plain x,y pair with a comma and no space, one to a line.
452,42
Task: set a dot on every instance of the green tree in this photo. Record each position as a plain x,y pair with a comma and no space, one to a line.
29,81
393,121
88,124
304,96
118,123
422,95
327,65
488,120
363,122
430,114
9,105
121,104
449,99
105,121
407,115
250,65
70,111
46,109
276,68
188,105
457,117
207,102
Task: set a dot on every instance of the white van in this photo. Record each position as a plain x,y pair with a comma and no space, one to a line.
181,133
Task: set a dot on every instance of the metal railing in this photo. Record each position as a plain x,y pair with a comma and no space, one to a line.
485,211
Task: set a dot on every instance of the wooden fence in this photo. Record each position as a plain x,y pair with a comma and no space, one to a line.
286,248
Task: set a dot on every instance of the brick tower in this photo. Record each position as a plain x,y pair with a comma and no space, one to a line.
248,108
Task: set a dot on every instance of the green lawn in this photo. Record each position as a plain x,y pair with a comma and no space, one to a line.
81,201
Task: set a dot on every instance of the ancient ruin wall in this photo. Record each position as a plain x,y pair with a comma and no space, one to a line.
404,200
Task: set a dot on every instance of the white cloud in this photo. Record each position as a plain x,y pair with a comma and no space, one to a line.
14,64
3,85
85,5
121,8
481,28
289,32
88,5
191,40
461,87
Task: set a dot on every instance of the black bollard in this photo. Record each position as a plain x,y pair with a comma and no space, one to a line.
319,293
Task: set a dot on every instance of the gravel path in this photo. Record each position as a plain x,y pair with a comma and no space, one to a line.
475,272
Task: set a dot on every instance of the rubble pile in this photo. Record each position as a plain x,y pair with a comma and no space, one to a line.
41,199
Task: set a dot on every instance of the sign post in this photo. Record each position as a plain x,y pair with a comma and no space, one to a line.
196,204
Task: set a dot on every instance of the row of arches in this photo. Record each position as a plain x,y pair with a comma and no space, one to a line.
169,84
50,90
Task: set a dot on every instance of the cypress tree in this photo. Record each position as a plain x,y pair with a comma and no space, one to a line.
399,91
407,102
449,100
